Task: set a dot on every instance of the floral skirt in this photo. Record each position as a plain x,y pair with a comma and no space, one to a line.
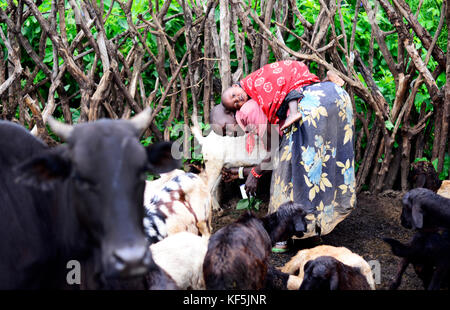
315,162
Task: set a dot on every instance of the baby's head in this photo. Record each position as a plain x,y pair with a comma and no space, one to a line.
234,97
223,121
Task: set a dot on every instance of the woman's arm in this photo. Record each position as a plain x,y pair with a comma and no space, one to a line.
257,171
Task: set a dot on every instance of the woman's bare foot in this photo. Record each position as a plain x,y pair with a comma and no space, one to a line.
292,118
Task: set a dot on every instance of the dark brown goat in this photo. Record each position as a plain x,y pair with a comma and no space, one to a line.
423,174
238,254
327,273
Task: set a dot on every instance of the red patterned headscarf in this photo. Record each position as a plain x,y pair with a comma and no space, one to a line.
270,84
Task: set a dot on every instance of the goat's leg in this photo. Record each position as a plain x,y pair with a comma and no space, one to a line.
401,270
425,273
215,196
213,177
439,274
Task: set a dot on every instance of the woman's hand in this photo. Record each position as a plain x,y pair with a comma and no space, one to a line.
251,184
229,175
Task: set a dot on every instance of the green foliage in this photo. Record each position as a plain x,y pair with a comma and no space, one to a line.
151,177
444,174
249,204
116,24
388,124
420,159
195,151
75,115
147,141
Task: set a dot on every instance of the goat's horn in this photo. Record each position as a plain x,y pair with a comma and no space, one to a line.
142,120
60,129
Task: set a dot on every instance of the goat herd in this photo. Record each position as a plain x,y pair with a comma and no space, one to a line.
82,201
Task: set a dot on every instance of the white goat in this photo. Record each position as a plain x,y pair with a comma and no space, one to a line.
224,151
342,254
181,256
176,202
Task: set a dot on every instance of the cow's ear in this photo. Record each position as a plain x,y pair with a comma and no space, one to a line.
44,171
160,159
417,216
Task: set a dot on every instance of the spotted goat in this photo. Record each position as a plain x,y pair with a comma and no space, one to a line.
176,202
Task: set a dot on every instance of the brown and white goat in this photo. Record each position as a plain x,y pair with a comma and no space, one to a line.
327,273
177,202
296,266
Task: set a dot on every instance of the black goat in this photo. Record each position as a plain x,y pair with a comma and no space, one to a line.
327,273
429,252
423,208
278,280
238,254
429,249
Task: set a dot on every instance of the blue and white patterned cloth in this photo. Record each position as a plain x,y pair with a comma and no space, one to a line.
316,159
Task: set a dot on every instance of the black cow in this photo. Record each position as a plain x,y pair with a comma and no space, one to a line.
82,200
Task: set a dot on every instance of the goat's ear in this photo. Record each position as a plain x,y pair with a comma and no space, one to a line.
44,171
160,159
417,215
334,281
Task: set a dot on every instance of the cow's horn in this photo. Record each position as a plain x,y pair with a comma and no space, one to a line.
60,129
142,120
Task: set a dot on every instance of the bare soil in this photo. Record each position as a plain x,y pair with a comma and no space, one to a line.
374,217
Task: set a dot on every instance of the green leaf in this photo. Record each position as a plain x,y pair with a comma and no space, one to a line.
435,163
75,115
147,141
257,204
444,174
389,125
420,159
243,204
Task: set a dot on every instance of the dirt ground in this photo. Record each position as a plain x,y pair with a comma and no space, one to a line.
374,217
